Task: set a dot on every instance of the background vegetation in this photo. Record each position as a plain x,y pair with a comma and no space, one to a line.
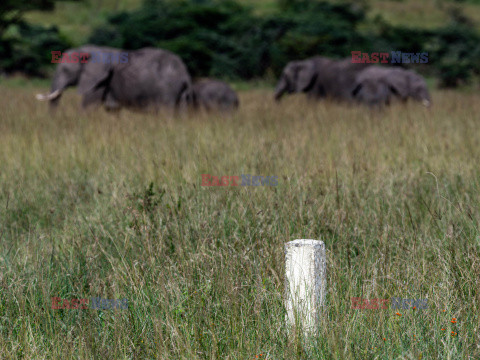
246,40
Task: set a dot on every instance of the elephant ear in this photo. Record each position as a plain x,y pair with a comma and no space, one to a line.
306,76
394,90
94,76
357,89
398,84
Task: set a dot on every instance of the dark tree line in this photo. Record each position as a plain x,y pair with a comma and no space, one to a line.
226,39
24,47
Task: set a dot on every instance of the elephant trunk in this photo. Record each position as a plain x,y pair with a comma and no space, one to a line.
186,97
53,97
58,86
281,89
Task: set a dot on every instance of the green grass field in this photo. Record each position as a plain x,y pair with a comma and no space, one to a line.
394,195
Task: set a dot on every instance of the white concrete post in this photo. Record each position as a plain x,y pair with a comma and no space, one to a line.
305,276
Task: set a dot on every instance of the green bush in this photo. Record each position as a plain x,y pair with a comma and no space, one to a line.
27,48
454,51
225,39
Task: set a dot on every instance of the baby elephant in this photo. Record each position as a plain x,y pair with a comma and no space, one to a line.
212,94
377,86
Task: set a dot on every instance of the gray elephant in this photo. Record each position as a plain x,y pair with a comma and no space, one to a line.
377,86
319,77
210,94
417,87
374,86
301,76
151,78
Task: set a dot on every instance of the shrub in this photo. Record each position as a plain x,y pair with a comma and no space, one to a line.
454,50
225,39
27,48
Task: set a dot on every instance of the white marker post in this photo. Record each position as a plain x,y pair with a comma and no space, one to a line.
305,283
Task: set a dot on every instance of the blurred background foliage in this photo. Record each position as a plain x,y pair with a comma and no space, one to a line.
240,39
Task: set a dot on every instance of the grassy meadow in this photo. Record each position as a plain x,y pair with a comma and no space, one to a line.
103,205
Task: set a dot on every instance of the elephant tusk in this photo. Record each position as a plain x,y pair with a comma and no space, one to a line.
51,96
426,102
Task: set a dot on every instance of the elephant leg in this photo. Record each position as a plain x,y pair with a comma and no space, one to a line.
314,96
111,104
93,98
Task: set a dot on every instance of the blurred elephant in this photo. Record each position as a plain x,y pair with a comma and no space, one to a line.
211,94
377,86
373,88
300,76
150,78
319,77
417,87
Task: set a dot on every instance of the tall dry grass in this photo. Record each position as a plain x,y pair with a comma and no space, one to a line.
393,194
